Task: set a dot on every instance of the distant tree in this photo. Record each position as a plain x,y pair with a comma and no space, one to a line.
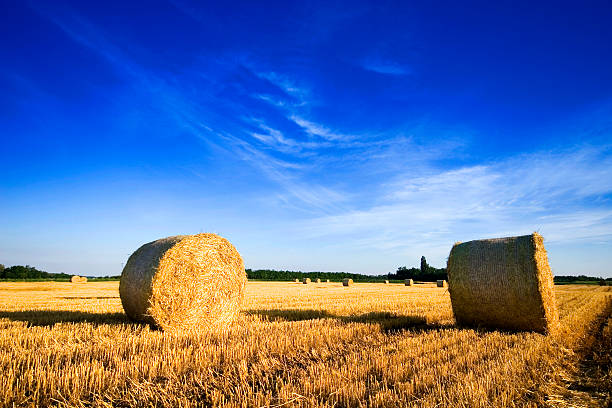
602,282
1,269
424,266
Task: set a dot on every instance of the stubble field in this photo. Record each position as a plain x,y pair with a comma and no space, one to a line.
317,345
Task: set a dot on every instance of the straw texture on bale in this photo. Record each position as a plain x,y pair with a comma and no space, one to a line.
503,283
306,281
408,282
318,280
185,282
441,283
78,279
347,282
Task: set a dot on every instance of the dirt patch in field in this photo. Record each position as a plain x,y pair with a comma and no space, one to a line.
591,383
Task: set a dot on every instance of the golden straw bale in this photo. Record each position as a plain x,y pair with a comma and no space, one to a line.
78,279
408,282
386,282
503,283
328,281
297,281
441,283
347,282
306,281
318,280
185,282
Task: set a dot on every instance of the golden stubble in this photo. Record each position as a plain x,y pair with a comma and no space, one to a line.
316,345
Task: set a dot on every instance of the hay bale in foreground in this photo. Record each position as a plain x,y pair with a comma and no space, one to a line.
78,279
306,281
186,282
441,283
347,282
503,283
408,282
318,280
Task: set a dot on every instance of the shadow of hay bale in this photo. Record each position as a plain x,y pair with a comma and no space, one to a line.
291,315
52,317
387,321
87,297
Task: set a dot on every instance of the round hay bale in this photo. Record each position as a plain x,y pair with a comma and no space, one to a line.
441,283
297,281
78,279
408,282
503,283
306,281
318,280
386,282
184,282
347,282
328,281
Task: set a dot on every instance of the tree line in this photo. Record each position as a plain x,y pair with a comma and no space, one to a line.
425,273
27,272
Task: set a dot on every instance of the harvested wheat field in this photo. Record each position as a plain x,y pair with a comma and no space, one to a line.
297,345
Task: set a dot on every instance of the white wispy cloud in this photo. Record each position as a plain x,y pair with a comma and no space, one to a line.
168,96
384,67
316,129
562,195
286,84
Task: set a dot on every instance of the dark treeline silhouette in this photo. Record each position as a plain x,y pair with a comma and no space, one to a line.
27,272
425,273
20,272
583,278
274,275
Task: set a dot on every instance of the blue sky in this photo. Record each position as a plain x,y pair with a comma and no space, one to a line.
336,136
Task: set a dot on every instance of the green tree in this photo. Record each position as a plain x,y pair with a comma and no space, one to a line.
424,266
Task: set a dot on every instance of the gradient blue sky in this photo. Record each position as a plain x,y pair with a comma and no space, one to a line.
336,136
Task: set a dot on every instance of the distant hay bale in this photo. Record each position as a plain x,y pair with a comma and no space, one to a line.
347,282
408,282
328,281
78,279
503,283
441,283
185,282
318,280
297,281
386,282
306,281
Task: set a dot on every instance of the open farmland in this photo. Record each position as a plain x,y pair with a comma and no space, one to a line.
322,344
